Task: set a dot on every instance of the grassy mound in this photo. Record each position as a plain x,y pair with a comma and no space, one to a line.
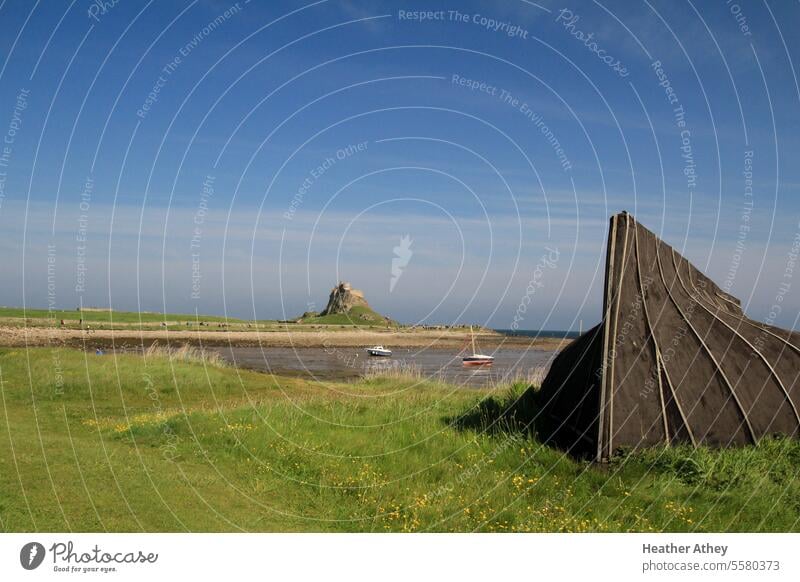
358,316
174,442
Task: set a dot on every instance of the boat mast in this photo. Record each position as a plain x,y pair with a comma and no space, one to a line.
472,335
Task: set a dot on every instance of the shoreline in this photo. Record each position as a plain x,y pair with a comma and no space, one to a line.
278,337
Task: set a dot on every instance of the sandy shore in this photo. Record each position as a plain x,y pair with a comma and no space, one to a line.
286,337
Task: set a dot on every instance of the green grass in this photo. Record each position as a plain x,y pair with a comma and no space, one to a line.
359,316
93,443
107,317
17,316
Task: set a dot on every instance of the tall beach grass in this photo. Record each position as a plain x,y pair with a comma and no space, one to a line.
186,353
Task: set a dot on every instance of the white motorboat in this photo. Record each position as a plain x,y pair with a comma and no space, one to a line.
379,351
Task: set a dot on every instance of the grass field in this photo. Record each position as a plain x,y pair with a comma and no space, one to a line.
73,315
174,442
17,316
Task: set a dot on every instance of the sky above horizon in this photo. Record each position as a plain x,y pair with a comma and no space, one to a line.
241,158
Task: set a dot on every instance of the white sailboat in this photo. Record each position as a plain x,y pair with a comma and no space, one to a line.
476,359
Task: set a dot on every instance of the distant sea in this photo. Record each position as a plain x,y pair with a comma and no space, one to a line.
539,333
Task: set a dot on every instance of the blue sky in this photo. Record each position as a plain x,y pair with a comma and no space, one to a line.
326,131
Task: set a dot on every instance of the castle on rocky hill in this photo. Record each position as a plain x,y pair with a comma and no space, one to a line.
343,298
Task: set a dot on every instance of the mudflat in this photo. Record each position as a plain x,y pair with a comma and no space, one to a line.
274,336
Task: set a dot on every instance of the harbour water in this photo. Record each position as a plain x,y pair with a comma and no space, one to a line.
350,363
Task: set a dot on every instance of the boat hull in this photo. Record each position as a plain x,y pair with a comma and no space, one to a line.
477,361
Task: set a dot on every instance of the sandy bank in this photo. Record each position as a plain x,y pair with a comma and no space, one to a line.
41,336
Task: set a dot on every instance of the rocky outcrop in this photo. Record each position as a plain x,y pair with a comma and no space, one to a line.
343,298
